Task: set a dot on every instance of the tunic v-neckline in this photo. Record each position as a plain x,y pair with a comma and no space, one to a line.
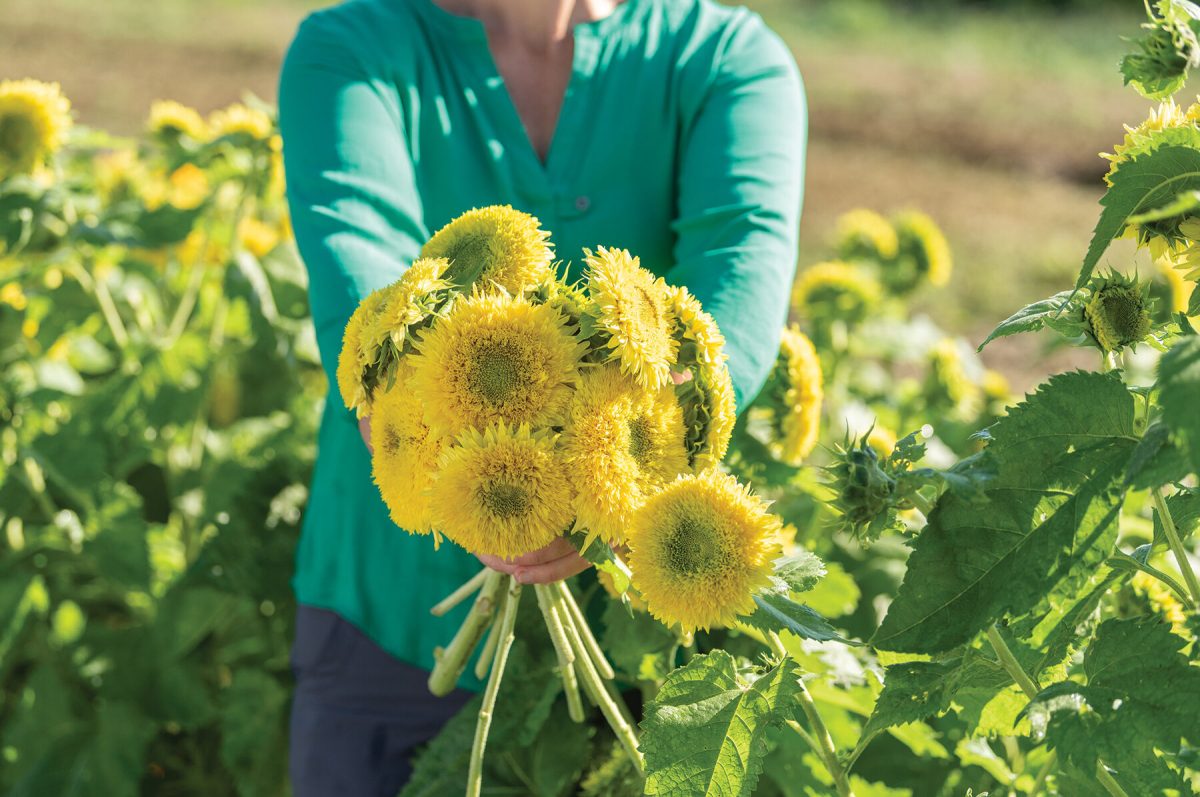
564,140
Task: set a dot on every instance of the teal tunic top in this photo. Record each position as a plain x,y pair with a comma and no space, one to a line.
681,138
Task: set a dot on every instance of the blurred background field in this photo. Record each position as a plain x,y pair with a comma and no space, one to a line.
987,116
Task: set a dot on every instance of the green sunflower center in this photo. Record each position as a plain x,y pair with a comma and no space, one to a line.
506,500
496,371
693,548
1124,312
18,137
640,441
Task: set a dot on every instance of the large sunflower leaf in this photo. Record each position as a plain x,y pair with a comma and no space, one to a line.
1179,383
1142,694
1048,520
1148,181
705,734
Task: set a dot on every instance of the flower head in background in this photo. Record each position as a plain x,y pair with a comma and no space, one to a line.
173,119
863,234
34,120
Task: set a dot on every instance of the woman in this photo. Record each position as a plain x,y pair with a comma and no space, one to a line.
673,128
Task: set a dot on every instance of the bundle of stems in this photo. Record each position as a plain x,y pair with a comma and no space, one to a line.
581,662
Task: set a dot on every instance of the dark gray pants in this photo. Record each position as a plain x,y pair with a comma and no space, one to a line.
358,713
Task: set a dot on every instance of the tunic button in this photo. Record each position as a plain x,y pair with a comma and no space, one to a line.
582,203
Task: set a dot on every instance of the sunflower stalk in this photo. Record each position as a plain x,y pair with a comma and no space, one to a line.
819,739
504,630
1176,543
453,660
466,590
484,664
555,615
567,599
597,691
1108,781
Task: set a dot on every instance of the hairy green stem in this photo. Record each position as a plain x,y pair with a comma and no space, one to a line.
596,689
465,590
567,599
819,739
552,613
453,660
824,743
1039,782
1010,664
1108,781
1172,535
507,621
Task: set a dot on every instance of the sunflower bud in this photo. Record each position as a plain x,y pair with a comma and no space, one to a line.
865,492
1118,312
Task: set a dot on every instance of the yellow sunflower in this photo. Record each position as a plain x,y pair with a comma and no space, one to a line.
1138,139
171,118
241,119
718,414
699,338
863,234
835,290
621,442
923,253
635,313
502,492
34,120
405,457
494,245
700,548
800,371
356,357
414,298
495,357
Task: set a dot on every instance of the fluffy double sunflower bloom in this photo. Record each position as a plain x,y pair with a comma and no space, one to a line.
700,549
34,120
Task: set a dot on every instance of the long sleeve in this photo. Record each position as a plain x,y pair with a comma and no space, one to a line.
740,184
351,188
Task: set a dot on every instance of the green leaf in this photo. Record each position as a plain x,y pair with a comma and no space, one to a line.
639,646
1049,519
1184,203
1156,460
1184,507
1142,695
705,731
1029,318
254,728
799,571
777,613
1179,386
1150,180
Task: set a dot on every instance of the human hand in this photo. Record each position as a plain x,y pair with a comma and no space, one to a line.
364,428
556,561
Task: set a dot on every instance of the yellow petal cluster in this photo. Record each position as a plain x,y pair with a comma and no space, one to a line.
495,358
241,119
357,356
700,340
171,118
405,457
502,492
800,369
863,234
718,414
921,240
634,312
34,120
495,246
836,290
700,548
621,443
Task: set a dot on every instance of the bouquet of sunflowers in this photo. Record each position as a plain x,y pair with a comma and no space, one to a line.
510,408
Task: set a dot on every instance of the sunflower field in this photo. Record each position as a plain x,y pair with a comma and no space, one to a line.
970,591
